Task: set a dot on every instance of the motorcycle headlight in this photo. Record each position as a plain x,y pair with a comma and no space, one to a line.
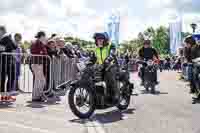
150,63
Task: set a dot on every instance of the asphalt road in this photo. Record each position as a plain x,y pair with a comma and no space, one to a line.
170,111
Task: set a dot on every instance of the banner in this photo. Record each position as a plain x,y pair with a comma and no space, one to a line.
113,29
175,36
196,37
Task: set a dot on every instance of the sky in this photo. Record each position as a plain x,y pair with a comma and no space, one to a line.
82,18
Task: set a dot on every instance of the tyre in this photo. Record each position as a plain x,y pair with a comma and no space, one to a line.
146,86
153,89
124,106
125,98
85,98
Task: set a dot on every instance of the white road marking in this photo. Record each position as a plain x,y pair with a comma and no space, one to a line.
35,115
90,127
5,123
95,126
99,127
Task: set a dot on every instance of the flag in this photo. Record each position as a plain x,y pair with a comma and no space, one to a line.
113,29
175,36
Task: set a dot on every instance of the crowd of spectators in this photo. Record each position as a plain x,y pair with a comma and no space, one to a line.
43,49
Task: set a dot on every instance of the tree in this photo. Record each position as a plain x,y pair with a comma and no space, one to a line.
26,45
161,40
77,41
150,33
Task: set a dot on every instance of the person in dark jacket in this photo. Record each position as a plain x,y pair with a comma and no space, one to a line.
147,53
7,62
188,50
192,51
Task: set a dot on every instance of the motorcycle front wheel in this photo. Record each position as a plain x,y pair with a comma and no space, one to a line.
153,91
125,97
81,102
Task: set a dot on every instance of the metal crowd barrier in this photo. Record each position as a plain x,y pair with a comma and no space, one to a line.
36,74
64,69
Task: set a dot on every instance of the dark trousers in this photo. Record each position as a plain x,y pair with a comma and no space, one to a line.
46,70
142,69
7,70
32,74
110,79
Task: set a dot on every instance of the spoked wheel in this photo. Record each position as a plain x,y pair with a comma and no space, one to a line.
81,102
197,93
125,97
153,89
146,86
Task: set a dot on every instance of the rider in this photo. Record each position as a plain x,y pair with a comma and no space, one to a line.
147,53
105,54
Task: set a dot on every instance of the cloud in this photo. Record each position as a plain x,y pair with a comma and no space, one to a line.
84,17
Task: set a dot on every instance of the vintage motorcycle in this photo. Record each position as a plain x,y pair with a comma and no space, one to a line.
89,92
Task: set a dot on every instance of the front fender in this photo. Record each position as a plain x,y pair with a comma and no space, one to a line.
81,83
75,83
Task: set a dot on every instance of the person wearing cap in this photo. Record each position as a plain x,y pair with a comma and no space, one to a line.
6,62
38,47
147,53
105,54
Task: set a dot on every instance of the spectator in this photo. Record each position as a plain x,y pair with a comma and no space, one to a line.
6,62
188,49
51,48
38,47
167,63
53,36
68,50
18,51
126,58
52,52
39,65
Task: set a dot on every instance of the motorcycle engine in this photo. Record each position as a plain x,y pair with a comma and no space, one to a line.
100,93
